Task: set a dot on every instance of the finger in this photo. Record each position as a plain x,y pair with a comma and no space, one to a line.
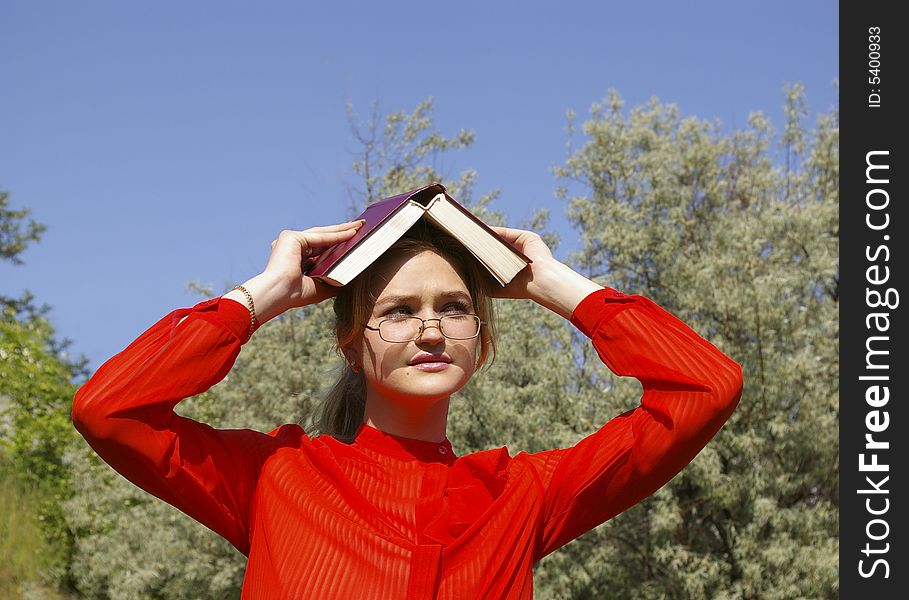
301,235
338,227
512,236
509,233
311,241
321,240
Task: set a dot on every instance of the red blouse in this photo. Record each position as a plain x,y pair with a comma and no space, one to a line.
387,516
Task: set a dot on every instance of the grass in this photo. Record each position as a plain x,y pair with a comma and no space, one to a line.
24,555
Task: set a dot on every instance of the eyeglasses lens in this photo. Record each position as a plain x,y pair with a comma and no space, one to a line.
456,327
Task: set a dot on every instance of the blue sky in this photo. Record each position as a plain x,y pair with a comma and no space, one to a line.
165,141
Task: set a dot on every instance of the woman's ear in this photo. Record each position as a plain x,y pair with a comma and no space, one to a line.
352,358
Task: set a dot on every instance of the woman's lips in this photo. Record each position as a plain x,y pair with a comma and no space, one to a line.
431,366
430,362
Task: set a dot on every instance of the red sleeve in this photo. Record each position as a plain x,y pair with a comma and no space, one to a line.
690,389
125,412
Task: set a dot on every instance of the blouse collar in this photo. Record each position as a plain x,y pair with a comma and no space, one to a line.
403,447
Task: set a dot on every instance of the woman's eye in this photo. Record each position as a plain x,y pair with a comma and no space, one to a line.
456,307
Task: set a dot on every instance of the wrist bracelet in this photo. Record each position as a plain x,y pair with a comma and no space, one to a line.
253,322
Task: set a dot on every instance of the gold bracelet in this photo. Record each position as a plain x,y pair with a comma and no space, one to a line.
253,321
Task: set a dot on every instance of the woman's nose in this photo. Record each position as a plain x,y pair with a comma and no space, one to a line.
432,331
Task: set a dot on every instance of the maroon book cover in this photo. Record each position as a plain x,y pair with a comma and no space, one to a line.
377,213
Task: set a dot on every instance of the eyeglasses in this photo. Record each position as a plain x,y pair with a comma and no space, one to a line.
407,329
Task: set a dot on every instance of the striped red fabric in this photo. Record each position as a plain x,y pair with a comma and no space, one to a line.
387,516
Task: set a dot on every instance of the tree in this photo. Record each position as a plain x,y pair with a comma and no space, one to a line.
15,232
401,153
35,431
745,251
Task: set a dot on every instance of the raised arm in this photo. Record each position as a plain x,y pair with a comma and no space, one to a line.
125,410
690,390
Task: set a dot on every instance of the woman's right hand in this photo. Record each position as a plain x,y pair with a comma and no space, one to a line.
282,285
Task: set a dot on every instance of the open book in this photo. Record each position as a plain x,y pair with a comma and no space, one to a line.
387,220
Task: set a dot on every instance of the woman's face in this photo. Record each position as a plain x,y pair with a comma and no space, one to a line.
417,373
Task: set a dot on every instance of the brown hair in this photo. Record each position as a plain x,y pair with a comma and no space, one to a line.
341,412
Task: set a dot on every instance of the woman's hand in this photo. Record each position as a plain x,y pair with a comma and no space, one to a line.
293,251
282,285
546,281
531,245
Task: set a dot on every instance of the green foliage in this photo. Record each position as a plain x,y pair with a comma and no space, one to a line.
36,433
746,252
35,430
35,390
21,543
131,545
15,232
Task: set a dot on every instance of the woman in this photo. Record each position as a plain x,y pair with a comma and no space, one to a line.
383,507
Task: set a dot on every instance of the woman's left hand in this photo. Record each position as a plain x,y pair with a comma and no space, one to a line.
546,281
531,245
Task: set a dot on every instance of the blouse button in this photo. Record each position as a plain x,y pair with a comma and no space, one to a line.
442,450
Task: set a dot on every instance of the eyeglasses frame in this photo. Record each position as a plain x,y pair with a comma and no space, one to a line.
423,327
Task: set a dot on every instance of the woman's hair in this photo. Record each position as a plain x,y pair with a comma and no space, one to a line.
341,412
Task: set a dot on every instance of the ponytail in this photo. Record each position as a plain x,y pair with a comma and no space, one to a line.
341,411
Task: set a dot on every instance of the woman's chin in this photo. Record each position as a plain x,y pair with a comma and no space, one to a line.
428,392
